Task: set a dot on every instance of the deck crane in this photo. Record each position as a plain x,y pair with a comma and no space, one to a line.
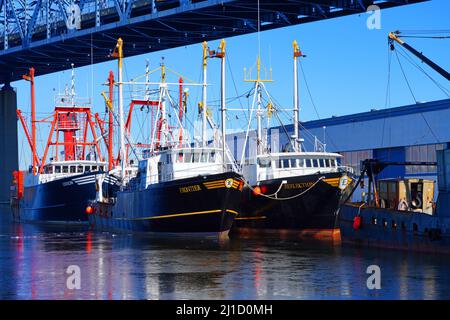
394,36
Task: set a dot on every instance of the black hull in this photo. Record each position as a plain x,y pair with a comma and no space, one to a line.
392,229
199,206
314,213
61,201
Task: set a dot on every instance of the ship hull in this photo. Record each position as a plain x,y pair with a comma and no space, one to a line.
61,201
392,229
200,206
310,215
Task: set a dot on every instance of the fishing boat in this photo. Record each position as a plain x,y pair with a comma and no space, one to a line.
294,193
181,187
57,191
400,213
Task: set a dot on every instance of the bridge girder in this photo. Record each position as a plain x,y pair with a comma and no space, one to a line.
45,34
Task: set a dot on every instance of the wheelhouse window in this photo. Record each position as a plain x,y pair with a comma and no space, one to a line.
212,157
87,168
285,163
315,163
278,164
179,157
308,163
293,163
80,169
333,162
65,169
94,168
48,169
101,168
204,157
196,157
322,163
187,157
301,163
57,169
73,169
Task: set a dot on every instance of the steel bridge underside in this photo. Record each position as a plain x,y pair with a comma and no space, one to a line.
146,26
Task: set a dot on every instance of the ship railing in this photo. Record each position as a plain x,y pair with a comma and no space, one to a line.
64,100
68,125
346,169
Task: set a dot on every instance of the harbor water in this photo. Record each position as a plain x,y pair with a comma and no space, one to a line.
36,263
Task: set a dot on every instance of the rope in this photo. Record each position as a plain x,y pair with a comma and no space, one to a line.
309,92
424,37
408,58
273,196
387,102
429,128
406,78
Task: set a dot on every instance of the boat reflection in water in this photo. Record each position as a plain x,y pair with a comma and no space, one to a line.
34,264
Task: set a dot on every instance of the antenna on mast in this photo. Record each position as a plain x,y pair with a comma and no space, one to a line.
72,88
259,85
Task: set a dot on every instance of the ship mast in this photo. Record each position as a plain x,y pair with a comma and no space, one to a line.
259,87
205,55
110,122
296,135
258,111
72,86
119,55
223,109
163,127
30,77
221,55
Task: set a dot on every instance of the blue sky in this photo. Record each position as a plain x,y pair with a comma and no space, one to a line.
346,65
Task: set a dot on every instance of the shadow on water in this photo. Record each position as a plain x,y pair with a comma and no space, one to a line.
34,261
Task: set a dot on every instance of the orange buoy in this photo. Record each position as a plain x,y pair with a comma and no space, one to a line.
257,191
357,222
89,210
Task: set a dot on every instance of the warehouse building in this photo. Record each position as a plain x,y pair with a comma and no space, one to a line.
408,133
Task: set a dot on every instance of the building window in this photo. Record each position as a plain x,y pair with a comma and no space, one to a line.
423,153
353,158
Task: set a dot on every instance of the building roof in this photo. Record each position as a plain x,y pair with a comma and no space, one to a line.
419,124
380,114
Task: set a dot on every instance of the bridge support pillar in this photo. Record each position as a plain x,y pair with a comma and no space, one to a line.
9,153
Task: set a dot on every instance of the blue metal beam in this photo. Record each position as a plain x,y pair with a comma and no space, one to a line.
145,25
16,18
32,22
